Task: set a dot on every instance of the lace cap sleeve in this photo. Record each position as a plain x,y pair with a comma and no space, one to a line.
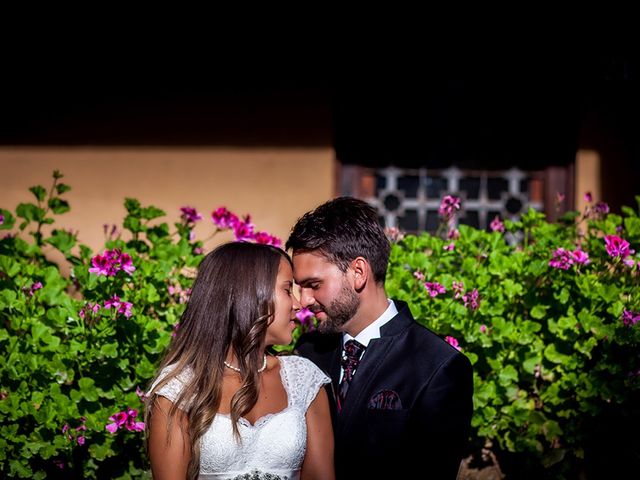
174,387
304,380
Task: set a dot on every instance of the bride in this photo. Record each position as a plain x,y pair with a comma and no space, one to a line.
220,406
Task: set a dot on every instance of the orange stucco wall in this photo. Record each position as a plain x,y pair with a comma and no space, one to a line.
274,185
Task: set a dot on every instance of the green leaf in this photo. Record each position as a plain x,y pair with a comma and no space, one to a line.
149,213
152,295
132,205
101,451
632,226
531,362
507,375
88,389
539,311
58,206
62,188
30,212
511,288
551,354
39,192
109,350
62,240
133,224
20,468
8,299
554,456
8,220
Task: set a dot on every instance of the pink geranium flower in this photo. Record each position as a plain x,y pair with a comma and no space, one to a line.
580,257
471,299
434,288
304,316
122,307
449,206
630,318
617,247
458,289
111,262
266,239
601,208
243,231
496,225
223,218
453,342
561,259
125,419
190,214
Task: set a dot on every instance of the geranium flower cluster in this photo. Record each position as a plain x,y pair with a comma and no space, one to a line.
434,288
453,342
470,299
125,419
496,225
630,318
75,433
449,206
617,247
181,294
114,302
243,229
122,307
189,215
31,290
598,210
111,262
563,259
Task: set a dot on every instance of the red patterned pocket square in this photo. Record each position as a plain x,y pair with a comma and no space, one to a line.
385,400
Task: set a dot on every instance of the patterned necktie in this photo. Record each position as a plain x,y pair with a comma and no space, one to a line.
350,359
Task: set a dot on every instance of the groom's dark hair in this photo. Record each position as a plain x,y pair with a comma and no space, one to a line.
341,230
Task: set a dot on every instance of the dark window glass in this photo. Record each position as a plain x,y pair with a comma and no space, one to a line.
433,220
470,185
436,186
496,186
409,222
409,185
471,218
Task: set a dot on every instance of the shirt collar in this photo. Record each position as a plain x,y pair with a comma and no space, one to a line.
372,330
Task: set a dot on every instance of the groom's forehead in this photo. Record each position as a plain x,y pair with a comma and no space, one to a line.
311,264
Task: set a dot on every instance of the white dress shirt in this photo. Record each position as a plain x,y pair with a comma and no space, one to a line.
372,331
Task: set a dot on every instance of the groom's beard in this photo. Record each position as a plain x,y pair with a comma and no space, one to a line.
341,310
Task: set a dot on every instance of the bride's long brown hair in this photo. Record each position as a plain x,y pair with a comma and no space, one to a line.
231,305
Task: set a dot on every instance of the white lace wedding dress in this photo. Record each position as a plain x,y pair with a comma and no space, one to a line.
271,449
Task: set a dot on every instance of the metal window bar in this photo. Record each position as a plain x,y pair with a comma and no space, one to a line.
495,192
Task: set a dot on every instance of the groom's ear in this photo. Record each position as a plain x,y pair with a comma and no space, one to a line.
360,268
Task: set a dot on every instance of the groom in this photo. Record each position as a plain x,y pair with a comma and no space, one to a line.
401,397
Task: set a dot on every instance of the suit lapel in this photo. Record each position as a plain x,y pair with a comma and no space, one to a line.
365,375
373,359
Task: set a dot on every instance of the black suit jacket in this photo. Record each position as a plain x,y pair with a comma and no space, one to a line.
423,431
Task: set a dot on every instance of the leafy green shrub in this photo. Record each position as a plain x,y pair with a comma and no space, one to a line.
550,324
76,354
